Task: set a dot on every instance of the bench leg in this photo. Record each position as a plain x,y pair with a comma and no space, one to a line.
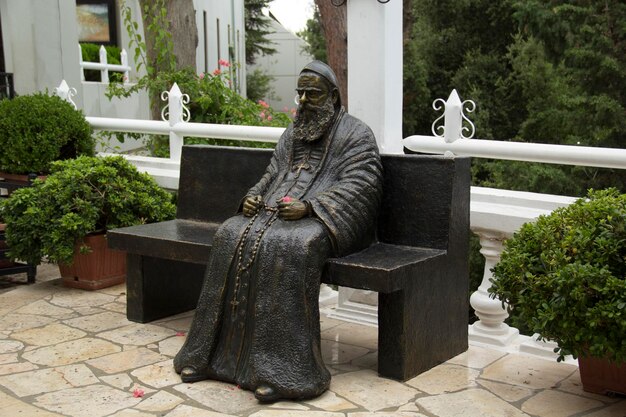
421,327
158,288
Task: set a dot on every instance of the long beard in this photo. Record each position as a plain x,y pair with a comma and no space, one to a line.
312,122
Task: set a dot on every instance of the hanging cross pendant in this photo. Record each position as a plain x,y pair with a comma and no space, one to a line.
302,165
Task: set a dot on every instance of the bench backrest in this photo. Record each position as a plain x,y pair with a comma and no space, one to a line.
425,197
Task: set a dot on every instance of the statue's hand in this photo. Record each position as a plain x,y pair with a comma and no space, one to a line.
251,205
292,209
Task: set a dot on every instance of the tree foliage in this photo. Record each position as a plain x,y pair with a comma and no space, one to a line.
313,35
257,25
539,71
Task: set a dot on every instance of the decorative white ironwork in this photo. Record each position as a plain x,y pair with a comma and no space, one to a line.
463,109
183,100
66,93
453,116
438,104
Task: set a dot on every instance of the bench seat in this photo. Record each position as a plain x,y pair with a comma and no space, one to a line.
418,262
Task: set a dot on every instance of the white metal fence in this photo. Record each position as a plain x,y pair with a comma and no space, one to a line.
104,67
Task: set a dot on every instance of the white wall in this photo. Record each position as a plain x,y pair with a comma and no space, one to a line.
213,47
285,65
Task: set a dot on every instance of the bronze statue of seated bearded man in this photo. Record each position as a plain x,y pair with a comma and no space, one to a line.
257,320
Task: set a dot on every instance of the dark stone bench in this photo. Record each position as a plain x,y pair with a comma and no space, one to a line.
418,266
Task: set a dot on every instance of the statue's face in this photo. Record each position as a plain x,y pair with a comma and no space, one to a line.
316,110
312,90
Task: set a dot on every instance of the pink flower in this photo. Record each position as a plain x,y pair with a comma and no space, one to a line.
269,118
138,393
201,76
180,333
217,72
287,199
262,115
263,104
223,63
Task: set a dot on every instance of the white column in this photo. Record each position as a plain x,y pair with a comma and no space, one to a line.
375,69
491,327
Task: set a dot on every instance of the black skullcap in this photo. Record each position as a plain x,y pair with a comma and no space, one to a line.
322,69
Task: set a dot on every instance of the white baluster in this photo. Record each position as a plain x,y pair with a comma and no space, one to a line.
124,61
175,112
103,60
80,60
491,327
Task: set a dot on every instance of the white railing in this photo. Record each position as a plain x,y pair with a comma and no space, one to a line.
494,214
104,67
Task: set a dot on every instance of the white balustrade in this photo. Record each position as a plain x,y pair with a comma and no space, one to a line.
104,67
494,214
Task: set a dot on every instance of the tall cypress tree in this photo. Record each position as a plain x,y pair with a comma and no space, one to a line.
257,24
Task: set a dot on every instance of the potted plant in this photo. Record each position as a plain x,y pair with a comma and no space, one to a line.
565,276
37,129
66,216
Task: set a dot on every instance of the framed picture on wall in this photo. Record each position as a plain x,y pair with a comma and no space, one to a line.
96,21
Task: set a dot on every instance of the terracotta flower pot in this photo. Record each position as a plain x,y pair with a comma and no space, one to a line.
100,268
601,376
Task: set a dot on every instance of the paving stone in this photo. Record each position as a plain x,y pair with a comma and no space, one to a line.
338,353
71,352
574,385
14,368
171,346
188,411
99,322
160,401
10,346
469,403
48,335
17,322
180,324
510,393
288,405
76,299
138,334
528,371
477,357
614,410
92,401
115,307
218,396
329,401
48,380
365,388
133,413
445,378
295,413
124,361
353,334
369,361
44,308
121,381
8,358
11,407
158,375
558,404
385,414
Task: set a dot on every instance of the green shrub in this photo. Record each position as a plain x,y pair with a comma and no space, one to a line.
79,197
565,276
38,129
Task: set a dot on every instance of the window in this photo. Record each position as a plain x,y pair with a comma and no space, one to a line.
96,21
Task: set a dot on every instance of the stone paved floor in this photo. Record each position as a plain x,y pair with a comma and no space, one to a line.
66,352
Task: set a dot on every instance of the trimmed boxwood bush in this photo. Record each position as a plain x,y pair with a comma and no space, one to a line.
38,129
81,196
565,276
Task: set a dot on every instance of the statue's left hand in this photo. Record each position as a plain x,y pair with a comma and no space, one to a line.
292,209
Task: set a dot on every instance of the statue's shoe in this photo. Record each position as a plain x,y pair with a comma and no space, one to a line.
266,394
190,374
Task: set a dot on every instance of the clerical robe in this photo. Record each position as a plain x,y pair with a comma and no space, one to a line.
260,325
